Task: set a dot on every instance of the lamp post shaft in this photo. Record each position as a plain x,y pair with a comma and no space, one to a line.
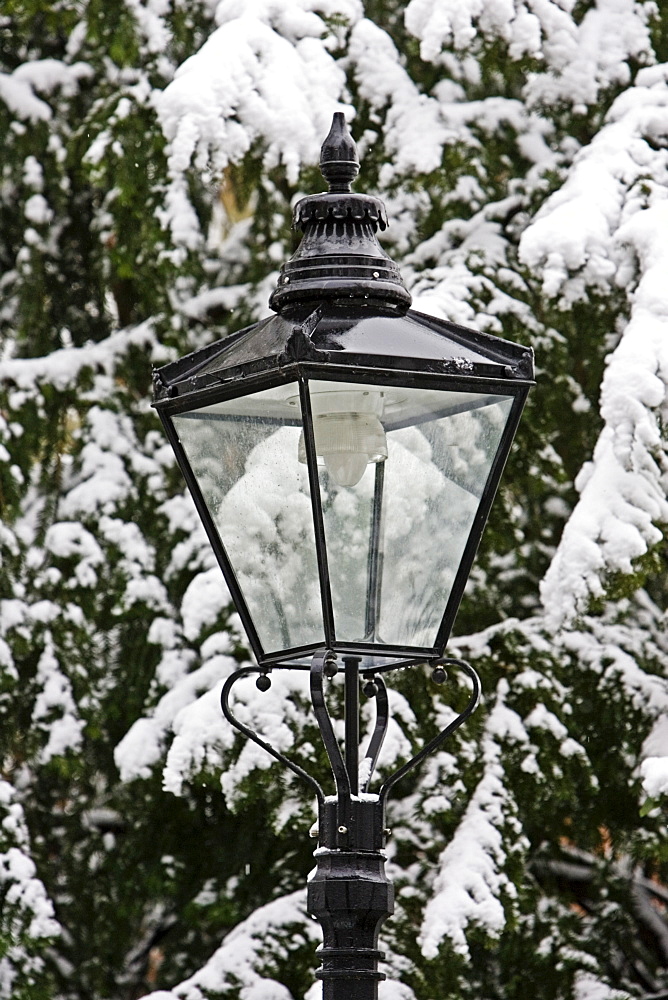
349,893
351,896
352,719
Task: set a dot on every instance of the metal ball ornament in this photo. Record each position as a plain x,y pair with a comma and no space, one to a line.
370,689
439,675
263,683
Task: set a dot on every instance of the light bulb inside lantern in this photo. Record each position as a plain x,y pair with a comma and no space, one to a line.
346,470
348,433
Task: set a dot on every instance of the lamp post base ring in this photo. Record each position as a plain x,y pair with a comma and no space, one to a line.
348,974
373,953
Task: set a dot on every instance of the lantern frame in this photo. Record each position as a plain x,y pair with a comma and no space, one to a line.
303,352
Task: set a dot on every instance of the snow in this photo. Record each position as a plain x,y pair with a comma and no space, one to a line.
364,771
69,539
250,949
63,367
396,745
654,765
139,750
150,17
392,990
29,913
580,59
654,772
460,24
18,89
583,60
195,718
265,72
37,210
47,75
469,879
276,716
471,883
204,601
137,555
268,78
22,889
623,489
415,133
200,734
589,987
55,698
21,100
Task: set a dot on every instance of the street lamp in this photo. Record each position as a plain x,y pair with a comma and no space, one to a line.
343,455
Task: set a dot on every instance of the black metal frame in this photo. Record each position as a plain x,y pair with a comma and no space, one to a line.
384,370
349,893
387,656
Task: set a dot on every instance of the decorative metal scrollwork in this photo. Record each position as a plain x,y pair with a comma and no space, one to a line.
322,660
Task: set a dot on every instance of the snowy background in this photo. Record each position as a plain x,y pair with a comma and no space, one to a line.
152,152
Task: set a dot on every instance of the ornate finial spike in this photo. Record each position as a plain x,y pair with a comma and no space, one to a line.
339,163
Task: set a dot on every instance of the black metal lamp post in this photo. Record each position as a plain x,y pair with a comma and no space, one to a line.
343,456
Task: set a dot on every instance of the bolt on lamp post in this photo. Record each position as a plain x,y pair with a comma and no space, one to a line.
343,455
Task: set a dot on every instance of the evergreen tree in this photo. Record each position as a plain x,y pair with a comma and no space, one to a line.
152,150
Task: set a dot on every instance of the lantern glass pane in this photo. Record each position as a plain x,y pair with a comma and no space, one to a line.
400,488
244,454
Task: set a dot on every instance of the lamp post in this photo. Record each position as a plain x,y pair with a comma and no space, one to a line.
343,455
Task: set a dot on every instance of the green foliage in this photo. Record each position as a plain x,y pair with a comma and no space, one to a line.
152,831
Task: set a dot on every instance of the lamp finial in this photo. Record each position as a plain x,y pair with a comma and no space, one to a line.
339,162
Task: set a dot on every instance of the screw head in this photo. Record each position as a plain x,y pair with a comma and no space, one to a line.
263,683
343,829
439,675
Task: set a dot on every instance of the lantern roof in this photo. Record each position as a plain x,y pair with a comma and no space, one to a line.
357,336
339,256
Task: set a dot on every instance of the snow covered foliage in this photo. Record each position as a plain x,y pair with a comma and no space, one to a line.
27,921
152,150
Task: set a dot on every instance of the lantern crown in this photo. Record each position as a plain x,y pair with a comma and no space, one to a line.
339,256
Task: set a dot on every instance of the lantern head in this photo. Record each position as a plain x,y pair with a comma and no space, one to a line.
343,453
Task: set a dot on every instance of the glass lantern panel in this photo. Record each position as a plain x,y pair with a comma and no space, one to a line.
402,472
244,454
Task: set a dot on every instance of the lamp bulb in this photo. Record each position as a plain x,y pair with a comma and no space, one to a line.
346,468
348,433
